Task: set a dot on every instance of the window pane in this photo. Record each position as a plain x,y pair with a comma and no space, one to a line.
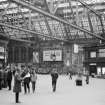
103,70
101,53
92,54
98,70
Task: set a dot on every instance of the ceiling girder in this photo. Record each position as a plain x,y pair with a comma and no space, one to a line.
88,7
96,13
19,2
30,31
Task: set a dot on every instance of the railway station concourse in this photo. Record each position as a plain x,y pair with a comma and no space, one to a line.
67,34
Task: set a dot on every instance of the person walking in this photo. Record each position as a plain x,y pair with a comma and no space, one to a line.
70,75
54,76
17,85
33,80
26,82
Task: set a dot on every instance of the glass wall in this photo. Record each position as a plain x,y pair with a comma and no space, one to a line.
101,53
93,54
100,70
103,70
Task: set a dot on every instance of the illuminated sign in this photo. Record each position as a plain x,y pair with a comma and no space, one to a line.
1,57
35,57
52,55
1,49
75,48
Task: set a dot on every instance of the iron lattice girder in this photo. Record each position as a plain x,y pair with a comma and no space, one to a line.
30,31
86,5
95,12
55,18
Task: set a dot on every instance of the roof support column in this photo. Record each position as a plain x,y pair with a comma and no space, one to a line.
100,18
90,23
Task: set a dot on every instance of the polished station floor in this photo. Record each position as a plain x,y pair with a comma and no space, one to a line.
67,93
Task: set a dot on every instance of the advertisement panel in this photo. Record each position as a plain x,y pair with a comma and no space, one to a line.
35,57
52,55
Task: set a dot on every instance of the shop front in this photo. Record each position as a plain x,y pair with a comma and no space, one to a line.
3,50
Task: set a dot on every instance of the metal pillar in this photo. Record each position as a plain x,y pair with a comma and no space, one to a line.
103,30
90,23
13,50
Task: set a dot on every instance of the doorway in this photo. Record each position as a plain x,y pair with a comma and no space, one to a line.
93,69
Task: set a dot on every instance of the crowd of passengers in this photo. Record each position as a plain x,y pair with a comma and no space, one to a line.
23,76
27,73
5,78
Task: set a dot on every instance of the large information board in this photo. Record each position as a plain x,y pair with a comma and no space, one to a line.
52,55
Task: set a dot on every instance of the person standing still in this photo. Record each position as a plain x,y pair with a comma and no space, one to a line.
33,80
9,78
87,78
54,76
17,85
1,77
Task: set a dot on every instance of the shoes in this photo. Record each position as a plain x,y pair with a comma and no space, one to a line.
18,102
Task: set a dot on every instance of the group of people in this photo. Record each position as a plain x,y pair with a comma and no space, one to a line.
23,77
27,75
5,78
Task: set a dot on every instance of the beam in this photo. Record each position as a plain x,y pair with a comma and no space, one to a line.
22,40
46,6
4,35
30,31
87,41
1,34
48,26
19,2
88,7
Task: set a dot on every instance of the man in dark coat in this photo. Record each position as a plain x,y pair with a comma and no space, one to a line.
5,78
54,76
1,77
27,79
9,78
87,77
17,85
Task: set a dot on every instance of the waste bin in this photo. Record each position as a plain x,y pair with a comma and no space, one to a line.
78,82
